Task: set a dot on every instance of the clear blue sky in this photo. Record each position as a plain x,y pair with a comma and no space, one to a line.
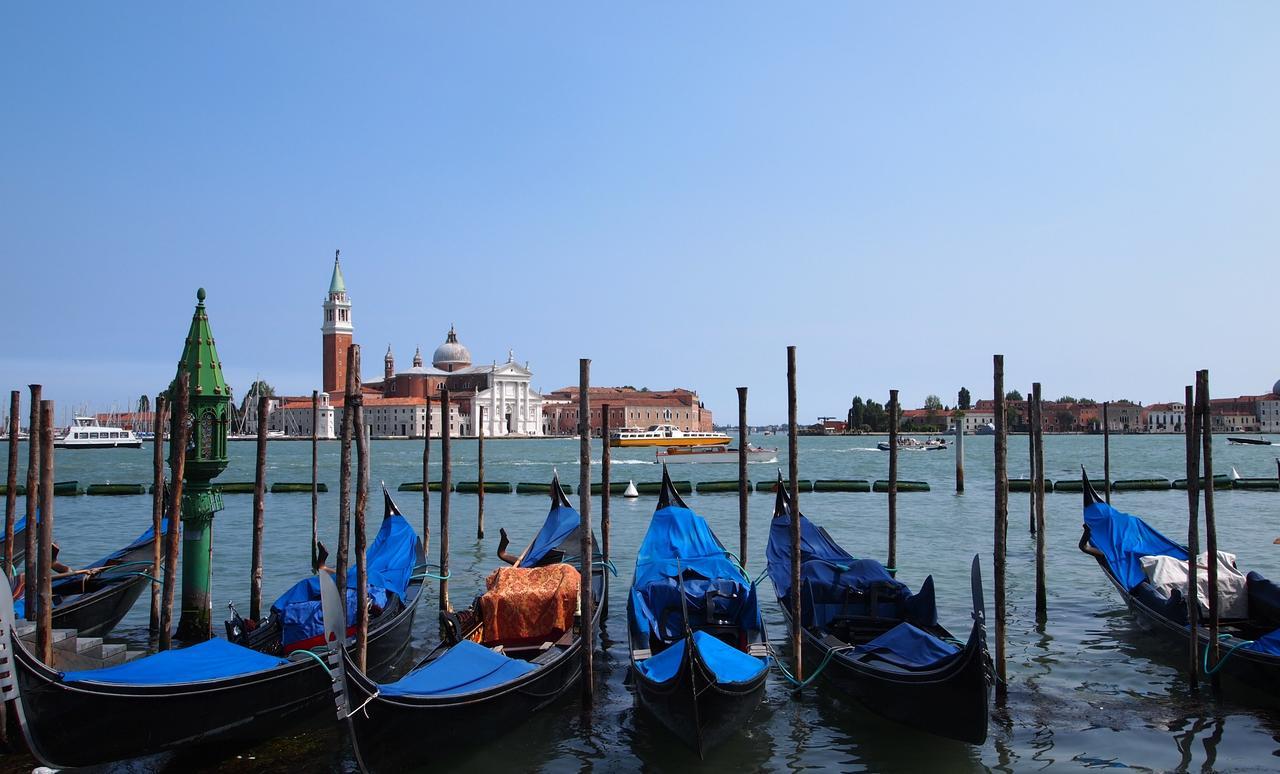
675,190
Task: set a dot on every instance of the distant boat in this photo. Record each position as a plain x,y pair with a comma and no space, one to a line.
713,454
987,429
906,443
665,435
1249,441
86,433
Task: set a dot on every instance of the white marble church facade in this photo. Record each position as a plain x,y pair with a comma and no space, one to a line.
509,406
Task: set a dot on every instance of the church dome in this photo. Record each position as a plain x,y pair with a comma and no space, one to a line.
1276,387
451,355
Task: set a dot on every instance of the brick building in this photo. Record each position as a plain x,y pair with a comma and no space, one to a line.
628,407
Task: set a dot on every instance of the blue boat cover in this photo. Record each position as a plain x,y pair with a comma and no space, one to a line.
465,668
390,563
909,647
663,666
680,551
1268,643
561,522
1124,539
829,574
727,663
210,660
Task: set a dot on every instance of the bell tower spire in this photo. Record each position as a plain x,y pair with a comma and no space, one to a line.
336,330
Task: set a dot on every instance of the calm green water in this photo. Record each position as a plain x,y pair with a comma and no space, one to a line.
1088,690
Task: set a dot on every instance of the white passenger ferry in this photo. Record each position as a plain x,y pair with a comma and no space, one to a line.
665,435
86,433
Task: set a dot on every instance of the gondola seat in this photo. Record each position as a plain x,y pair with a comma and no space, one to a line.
210,660
529,605
463,668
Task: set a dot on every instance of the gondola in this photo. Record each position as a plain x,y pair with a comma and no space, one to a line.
501,661
213,692
1249,647
699,651
878,642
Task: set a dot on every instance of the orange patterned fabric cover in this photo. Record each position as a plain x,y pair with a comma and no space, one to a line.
529,605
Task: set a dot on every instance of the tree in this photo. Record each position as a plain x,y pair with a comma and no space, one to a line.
875,417
1087,402
144,404
258,387
1013,395
963,401
933,403
1066,421
1066,399
856,409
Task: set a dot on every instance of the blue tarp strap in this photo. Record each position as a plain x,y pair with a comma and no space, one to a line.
431,575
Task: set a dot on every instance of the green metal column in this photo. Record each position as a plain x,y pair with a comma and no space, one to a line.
206,457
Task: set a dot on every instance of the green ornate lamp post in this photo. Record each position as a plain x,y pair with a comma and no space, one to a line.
206,457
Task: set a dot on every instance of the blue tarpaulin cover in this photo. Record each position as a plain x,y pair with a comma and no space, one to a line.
1124,539
465,668
909,647
726,662
560,524
1269,643
680,550
209,660
391,560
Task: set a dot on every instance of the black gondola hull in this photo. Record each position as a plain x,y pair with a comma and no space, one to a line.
98,612
83,724
952,702
697,709
390,733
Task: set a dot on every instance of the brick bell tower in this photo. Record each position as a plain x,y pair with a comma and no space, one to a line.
337,330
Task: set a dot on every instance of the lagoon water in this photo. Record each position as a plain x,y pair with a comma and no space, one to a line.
1089,689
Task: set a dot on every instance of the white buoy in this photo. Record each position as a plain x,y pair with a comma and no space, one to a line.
1235,474
631,489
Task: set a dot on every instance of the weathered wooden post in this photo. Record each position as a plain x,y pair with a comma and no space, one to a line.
1191,428
793,481
352,388
893,482
480,477
606,479
960,455
1106,447
157,509
31,561
584,512
259,498
206,457
1037,488
315,475
362,502
426,482
1210,527
1031,465
179,434
446,483
44,585
1001,518
11,482
742,476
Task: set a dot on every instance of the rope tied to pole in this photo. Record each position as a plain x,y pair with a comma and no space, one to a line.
802,684
1216,667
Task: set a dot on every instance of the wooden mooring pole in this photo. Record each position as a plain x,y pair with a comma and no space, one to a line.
315,476
606,479
1191,428
362,503
480,478
893,482
11,482
1106,448
157,510
1037,489
426,482
742,476
44,586
179,434
960,455
344,472
1210,527
793,483
446,483
584,512
1031,463
1001,519
259,508
31,562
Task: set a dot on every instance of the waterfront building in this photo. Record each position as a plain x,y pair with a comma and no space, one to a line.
1164,417
628,407
336,332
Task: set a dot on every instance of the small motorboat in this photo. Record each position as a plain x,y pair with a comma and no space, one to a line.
907,443
713,454
1248,441
86,433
